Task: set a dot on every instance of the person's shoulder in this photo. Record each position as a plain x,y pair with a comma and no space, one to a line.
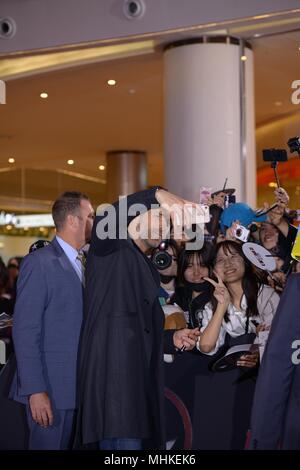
265,293
39,255
265,289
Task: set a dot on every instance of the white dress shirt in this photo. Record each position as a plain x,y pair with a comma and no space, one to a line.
72,254
267,302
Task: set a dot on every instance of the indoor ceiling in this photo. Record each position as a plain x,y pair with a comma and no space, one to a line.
83,118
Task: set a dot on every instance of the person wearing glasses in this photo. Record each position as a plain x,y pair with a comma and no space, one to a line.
240,307
240,303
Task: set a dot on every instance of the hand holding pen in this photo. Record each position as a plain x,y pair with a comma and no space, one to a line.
185,339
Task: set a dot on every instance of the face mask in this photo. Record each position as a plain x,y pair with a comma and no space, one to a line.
198,286
166,279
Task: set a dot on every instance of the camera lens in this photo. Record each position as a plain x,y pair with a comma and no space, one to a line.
162,260
238,232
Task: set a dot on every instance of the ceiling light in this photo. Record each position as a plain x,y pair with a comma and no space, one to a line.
44,95
70,162
244,57
111,82
272,184
9,227
101,167
278,103
11,160
257,35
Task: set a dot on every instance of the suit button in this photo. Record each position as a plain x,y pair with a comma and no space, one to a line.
147,330
146,301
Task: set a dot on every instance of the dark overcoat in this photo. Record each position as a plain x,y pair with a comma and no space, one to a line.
120,376
276,410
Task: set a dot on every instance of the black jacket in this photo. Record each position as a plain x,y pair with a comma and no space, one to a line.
120,379
276,408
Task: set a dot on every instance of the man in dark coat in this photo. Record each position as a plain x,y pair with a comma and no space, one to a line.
275,419
120,381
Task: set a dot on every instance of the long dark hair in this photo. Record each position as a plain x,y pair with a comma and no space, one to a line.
250,282
204,255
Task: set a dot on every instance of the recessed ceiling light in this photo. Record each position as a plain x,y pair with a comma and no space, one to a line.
278,103
244,57
11,160
44,95
111,82
101,167
272,184
132,91
70,162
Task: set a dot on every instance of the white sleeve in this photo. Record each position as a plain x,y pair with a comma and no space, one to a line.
205,316
267,304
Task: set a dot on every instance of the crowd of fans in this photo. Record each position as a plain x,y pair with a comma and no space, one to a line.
185,282
216,288
232,301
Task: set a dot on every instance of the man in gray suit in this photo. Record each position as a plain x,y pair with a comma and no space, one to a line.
47,323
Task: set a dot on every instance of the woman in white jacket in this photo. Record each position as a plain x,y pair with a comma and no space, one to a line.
240,307
240,304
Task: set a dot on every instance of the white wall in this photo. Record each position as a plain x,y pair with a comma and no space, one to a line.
15,246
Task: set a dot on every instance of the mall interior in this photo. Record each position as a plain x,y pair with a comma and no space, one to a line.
105,100
111,97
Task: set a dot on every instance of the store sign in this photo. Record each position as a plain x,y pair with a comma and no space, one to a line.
36,220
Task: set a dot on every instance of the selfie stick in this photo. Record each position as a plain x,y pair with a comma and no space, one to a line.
274,166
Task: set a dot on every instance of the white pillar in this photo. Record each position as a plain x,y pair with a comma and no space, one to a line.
126,173
209,117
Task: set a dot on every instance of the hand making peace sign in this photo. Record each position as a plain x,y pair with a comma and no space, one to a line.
220,293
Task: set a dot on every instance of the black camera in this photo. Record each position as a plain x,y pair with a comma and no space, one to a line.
161,258
275,155
294,145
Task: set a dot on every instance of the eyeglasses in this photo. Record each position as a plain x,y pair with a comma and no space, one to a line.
236,258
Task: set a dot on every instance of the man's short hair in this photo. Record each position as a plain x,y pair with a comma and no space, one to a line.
67,204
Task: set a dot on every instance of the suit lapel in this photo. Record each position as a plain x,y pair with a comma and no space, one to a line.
64,262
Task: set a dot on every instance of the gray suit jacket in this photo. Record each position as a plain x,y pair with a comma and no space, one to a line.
46,329
276,410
